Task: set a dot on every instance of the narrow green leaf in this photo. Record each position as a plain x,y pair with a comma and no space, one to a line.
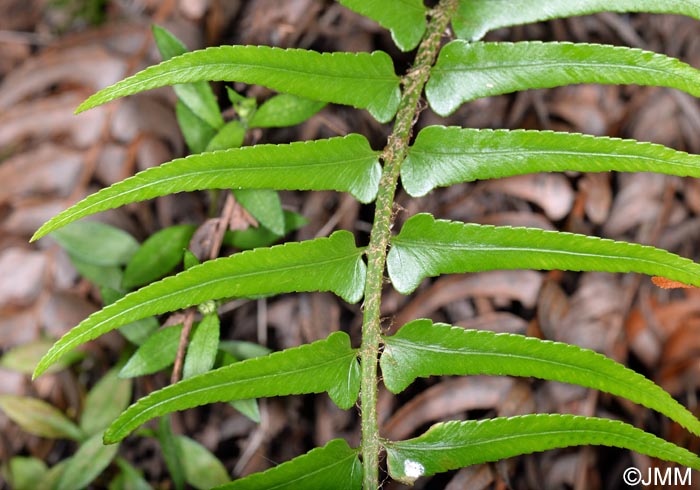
362,80
97,243
137,332
453,445
172,452
265,206
243,350
190,260
468,71
326,365
427,247
442,156
129,479
474,18
324,264
105,401
51,478
334,465
262,237
421,349
404,18
202,349
198,97
24,357
39,418
158,255
87,463
104,276
25,473
202,469
156,353
284,110
231,135
196,132
346,164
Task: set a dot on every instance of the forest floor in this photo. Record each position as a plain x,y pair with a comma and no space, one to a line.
53,54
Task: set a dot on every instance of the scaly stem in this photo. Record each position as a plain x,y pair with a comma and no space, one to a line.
393,156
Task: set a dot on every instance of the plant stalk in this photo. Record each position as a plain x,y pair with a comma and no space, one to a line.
393,155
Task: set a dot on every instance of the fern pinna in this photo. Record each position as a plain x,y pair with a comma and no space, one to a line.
450,74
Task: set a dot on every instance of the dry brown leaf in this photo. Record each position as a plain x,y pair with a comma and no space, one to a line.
446,399
551,192
516,285
46,170
89,66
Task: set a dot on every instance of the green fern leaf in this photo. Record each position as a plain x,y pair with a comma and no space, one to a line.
324,264
468,71
326,365
421,349
443,156
198,97
453,445
427,247
404,18
362,80
334,465
474,18
344,164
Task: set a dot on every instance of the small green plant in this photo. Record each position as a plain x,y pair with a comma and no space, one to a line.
462,70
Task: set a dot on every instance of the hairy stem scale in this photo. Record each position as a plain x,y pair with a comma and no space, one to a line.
393,155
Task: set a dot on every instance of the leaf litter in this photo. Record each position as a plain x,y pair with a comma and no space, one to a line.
50,158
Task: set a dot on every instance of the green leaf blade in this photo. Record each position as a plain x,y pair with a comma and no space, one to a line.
87,463
426,247
39,418
105,401
324,264
467,71
198,97
362,80
421,349
202,349
334,465
97,243
404,18
453,445
157,256
326,365
345,164
265,206
284,110
157,352
474,18
442,156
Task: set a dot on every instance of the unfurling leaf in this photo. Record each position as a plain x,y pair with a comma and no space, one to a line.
346,164
334,465
326,365
404,18
452,445
468,71
426,247
362,80
421,348
443,156
474,18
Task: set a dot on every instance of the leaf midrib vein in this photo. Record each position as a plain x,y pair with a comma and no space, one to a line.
518,151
